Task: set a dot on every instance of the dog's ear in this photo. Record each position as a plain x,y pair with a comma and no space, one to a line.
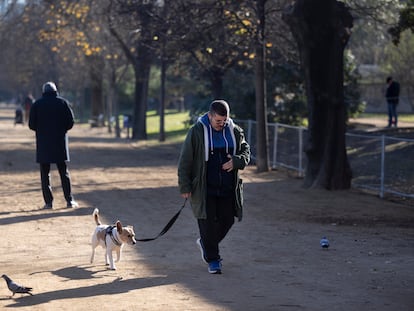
119,226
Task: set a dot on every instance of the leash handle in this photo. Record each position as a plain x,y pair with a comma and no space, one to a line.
167,226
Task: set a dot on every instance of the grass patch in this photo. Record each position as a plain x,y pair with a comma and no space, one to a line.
408,117
405,117
176,125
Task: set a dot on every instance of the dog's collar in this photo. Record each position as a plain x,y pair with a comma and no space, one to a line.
109,232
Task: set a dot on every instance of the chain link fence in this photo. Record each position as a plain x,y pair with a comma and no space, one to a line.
380,164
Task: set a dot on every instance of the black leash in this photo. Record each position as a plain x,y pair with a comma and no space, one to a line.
167,227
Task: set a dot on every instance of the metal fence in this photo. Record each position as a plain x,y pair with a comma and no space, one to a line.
381,164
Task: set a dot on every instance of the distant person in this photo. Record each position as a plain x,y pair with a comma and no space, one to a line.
212,154
19,112
51,117
392,96
18,117
27,104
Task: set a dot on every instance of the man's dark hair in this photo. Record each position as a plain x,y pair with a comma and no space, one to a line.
220,107
389,79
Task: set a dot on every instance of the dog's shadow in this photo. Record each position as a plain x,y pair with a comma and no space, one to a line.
77,273
115,286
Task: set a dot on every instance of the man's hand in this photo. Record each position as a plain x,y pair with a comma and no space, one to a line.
228,166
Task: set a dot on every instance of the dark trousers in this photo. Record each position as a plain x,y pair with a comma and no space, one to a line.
392,114
220,218
64,178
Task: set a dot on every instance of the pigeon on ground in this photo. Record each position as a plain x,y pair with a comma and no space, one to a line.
16,288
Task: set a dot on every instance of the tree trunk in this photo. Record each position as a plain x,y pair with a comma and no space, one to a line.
96,74
262,159
322,29
142,65
139,120
162,101
141,60
112,102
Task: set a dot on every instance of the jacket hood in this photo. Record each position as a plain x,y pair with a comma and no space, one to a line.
228,132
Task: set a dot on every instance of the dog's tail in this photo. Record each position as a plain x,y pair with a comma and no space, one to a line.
96,216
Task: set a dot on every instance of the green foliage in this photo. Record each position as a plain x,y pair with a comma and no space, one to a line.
179,86
405,22
240,93
126,92
288,100
199,105
352,93
200,40
372,18
155,82
398,60
290,109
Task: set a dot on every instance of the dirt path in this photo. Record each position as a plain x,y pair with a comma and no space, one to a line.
272,259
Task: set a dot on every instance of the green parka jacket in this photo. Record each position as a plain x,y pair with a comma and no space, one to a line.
192,168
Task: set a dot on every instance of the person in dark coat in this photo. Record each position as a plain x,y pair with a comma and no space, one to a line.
392,95
51,117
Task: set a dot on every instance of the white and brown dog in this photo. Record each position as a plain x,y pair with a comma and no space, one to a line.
112,238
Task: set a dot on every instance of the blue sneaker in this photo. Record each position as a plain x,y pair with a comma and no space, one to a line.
203,254
214,267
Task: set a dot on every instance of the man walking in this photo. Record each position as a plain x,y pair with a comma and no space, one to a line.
51,117
213,152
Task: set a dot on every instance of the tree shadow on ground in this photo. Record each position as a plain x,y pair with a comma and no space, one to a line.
117,286
42,214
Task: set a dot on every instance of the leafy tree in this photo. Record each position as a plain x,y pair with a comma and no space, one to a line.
289,99
215,34
405,22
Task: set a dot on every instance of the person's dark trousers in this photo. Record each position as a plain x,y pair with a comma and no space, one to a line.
220,218
392,113
64,178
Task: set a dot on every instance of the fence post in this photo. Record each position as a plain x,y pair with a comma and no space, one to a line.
276,128
249,130
300,151
382,174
